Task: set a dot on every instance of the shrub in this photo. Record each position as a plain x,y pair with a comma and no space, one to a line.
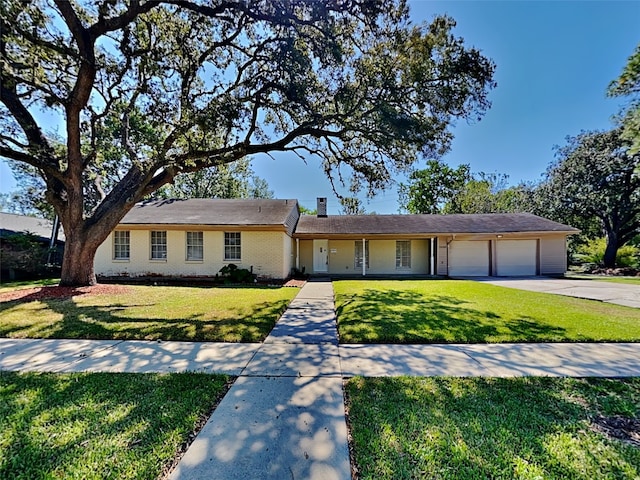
593,252
233,274
23,255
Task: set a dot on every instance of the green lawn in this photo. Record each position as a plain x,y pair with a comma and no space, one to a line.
524,428
450,311
150,312
9,286
99,426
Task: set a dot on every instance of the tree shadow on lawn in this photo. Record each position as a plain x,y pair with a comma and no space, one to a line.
66,425
490,428
108,322
410,317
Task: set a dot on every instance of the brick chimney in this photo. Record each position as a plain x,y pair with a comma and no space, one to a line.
322,206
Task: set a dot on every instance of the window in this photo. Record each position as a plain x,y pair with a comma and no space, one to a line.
158,245
358,254
403,254
121,245
232,245
195,246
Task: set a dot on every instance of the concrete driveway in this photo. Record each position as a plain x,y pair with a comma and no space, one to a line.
618,293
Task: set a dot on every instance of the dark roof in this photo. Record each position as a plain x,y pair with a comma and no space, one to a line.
41,227
207,211
427,224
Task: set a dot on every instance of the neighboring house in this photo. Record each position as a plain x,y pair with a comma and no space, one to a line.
199,236
25,243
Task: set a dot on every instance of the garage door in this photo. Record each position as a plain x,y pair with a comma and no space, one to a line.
469,258
516,257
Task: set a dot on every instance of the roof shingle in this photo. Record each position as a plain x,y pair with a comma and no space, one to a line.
207,211
427,224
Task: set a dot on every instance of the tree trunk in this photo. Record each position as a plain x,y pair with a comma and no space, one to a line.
611,251
77,263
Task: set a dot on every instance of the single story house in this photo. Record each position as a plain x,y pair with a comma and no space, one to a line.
197,237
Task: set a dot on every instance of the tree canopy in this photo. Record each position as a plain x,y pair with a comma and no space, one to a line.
429,190
232,180
149,90
627,85
596,176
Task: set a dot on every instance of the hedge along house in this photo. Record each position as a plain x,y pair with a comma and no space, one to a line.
518,244
197,237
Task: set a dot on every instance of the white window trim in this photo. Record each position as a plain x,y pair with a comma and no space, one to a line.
166,247
121,259
224,248
403,267
186,252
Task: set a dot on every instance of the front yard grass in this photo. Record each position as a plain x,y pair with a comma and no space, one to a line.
149,313
100,425
522,428
460,311
19,284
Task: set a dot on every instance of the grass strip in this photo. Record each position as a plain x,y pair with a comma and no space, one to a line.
606,278
522,428
100,425
460,311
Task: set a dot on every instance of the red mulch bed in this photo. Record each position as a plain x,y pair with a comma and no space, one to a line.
295,283
42,293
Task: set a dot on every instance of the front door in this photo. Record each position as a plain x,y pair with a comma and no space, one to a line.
321,256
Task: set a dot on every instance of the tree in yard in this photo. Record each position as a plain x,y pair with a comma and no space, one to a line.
430,189
596,176
150,90
628,85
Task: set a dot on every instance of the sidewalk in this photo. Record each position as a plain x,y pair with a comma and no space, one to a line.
284,415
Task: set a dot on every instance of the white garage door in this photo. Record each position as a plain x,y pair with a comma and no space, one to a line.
516,257
469,258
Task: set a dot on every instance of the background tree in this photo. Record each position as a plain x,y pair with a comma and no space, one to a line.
351,206
596,177
307,211
489,193
430,189
233,180
628,85
29,196
149,90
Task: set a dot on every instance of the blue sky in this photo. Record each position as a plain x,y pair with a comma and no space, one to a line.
554,61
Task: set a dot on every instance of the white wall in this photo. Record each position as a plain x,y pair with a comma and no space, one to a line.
269,253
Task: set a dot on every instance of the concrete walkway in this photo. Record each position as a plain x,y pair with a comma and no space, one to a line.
624,294
284,416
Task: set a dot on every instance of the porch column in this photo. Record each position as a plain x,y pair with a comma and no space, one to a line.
297,254
432,259
364,257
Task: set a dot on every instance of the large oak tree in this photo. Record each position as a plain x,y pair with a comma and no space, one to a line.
596,177
148,90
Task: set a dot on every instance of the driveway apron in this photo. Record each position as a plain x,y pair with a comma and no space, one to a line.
284,416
